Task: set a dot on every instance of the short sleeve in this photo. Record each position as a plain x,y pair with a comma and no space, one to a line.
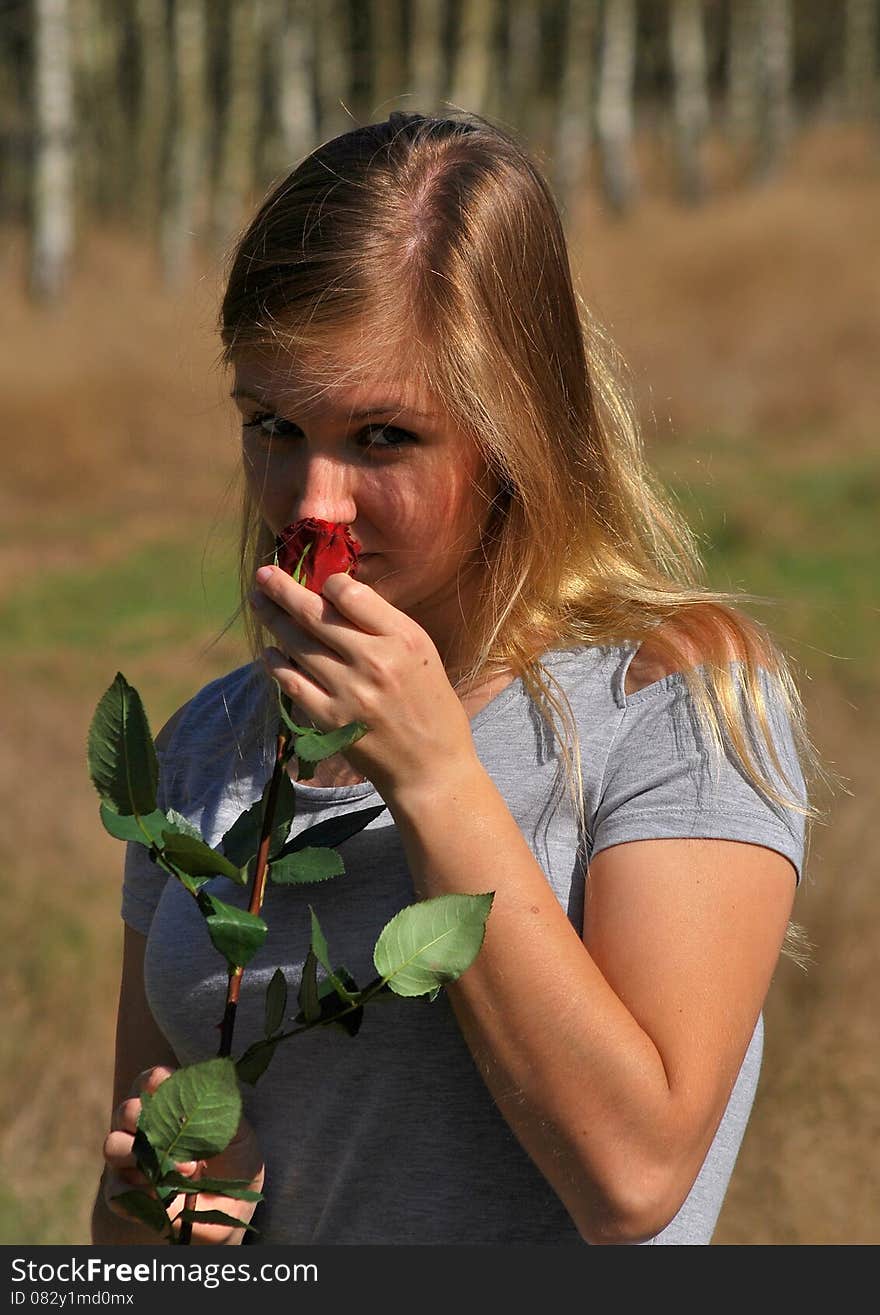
665,779
206,731
142,886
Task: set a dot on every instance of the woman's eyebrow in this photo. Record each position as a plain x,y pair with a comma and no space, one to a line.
387,407
384,408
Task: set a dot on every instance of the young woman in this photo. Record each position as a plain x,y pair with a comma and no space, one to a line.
559,711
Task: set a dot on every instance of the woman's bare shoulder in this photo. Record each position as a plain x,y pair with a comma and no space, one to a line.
653,659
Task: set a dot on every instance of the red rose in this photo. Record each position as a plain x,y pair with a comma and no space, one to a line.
310,550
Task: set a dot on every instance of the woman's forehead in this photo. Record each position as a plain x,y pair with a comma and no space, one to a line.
331,381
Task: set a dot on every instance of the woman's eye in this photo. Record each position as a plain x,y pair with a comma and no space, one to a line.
393,437
270,425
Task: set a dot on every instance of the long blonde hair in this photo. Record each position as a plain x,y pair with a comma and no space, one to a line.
436,243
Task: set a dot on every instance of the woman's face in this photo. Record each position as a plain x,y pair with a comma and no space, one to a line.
383,459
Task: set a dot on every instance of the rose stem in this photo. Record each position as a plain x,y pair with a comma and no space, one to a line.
258,889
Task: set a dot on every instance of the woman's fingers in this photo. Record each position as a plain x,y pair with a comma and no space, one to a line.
119,1150
328,615
241,1159
126,1115
150,1078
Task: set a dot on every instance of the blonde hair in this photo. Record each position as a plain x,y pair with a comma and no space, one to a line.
436,243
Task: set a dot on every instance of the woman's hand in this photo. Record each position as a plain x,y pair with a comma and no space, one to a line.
241,1159
357,658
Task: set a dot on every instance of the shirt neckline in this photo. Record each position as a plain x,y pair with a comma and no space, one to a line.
487,712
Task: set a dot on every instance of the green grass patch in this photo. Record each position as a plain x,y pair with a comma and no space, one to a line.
159,593
799,531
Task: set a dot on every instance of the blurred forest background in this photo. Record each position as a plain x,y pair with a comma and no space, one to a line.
717,164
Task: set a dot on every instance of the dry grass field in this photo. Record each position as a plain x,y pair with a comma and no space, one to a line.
752,331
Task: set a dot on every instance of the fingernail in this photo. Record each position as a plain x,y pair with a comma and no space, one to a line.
264,574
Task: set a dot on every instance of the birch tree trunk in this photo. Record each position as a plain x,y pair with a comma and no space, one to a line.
152,120
778,118
332,37
614,110
239,118
743,109
52,222
521,96
473,63
103,158
183,211
390,78
291,50
574,124
687,48
17,118
427,59
860,58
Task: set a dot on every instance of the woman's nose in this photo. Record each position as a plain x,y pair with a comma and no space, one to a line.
326,491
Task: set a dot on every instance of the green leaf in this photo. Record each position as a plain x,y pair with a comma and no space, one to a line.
256,1059
236,933
145,829
182,826
121,755
314,746
308,998
192,855
335,831
431,942
306,865
145,1208
322,954
192,884
242,840
284,713
194,1114
213,1217
276,1002
238,1189
349,1020
145,1155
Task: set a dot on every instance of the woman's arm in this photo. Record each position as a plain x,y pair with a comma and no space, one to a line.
612,1058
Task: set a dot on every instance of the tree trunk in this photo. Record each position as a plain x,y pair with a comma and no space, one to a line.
687,47
152,121
52,221
390,79
427,56
574,127
239,118
183,211
16,118
776,49
521,99
472,66
614,111
291,48
103,156
332,36
743,114
860,58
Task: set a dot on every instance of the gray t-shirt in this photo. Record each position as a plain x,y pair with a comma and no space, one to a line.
391,1136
